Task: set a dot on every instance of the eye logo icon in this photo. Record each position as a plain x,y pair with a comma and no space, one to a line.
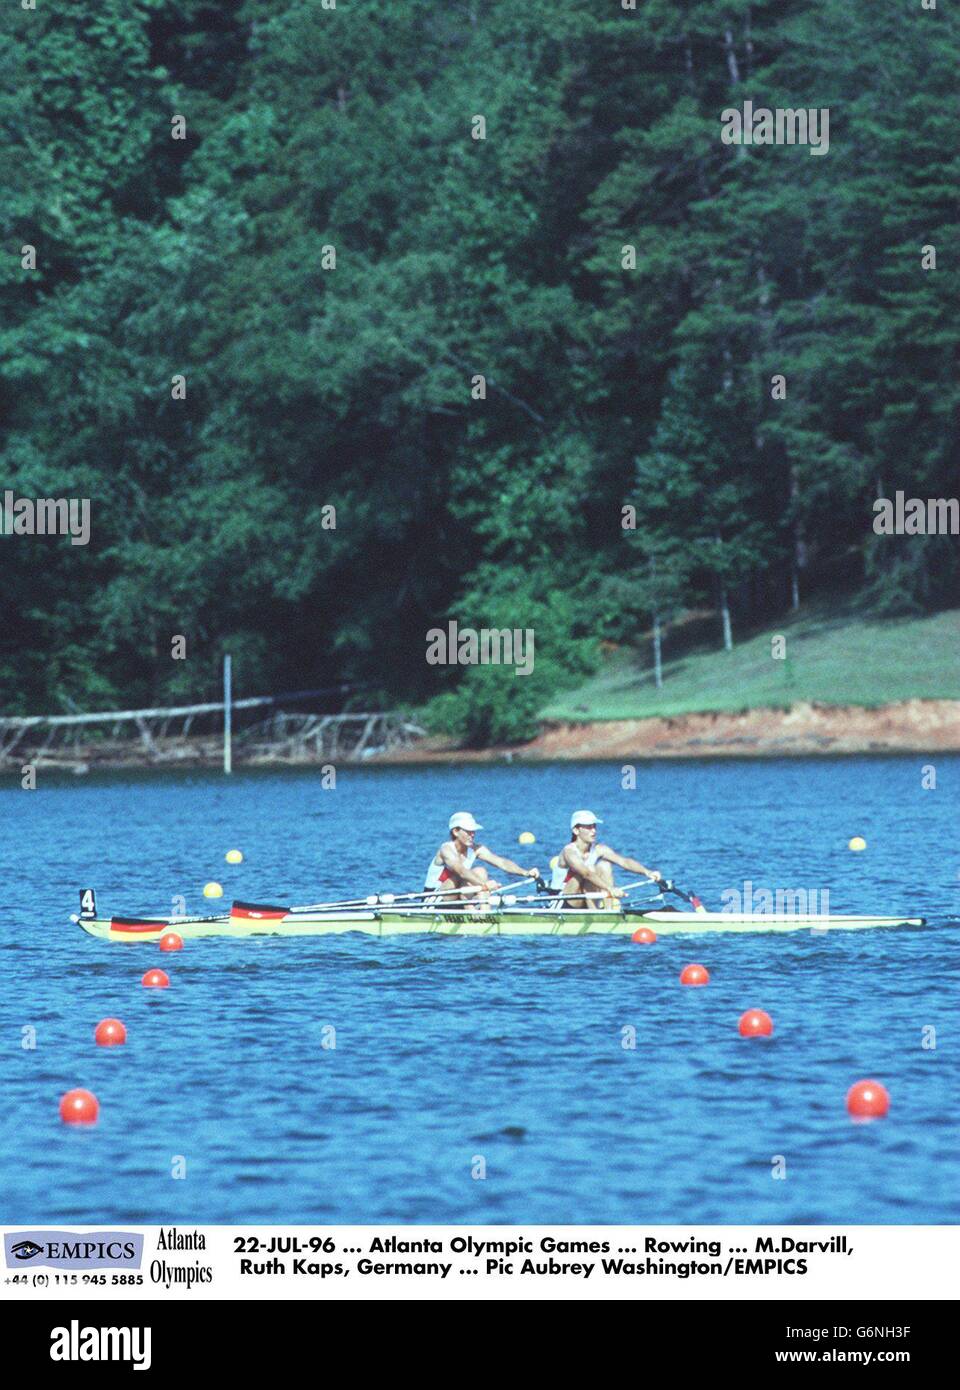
26,1249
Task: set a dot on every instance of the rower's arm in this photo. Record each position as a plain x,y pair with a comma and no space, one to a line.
625,862
452,861
583,871
507,865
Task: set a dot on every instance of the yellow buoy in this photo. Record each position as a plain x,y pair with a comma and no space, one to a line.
233,856
554,861
858,842
212,890
526,837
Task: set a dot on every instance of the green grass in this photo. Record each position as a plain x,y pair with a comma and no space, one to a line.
841,660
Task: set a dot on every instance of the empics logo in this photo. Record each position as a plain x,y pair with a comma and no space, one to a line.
76,1343
74,1249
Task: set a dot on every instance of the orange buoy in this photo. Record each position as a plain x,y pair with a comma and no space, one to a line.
170,941
110,1032
644,936
868,1100
79,1107
694,975
156,979
755,1023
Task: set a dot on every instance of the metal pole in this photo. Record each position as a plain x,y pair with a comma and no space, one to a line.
227,717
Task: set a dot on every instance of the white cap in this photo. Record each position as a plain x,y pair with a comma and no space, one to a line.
462,820
583,818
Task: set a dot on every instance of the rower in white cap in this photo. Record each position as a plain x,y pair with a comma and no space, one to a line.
453,868
584,866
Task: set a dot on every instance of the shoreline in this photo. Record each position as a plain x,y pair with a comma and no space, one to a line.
802,730
923,727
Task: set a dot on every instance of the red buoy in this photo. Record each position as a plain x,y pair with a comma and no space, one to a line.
170,941
755,1023
79,1107
156,979
644,936
110,1032
868,1100
694,975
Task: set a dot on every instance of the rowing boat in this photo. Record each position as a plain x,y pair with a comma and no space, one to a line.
247,919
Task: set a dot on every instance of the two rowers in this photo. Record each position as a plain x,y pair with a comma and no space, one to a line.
583,869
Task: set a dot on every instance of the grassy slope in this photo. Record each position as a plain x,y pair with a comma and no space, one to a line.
844,661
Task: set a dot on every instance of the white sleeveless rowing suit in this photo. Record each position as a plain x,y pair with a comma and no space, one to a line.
437,873
561,873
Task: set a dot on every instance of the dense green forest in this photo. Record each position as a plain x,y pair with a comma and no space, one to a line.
330,258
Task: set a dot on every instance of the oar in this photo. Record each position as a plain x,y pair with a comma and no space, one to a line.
670,887
499,896
591,893
371,900
623,889
387,899
426,895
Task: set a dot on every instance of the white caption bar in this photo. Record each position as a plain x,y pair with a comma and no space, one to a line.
480,1262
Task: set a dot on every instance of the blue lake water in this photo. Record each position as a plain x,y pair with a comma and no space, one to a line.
509,1050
